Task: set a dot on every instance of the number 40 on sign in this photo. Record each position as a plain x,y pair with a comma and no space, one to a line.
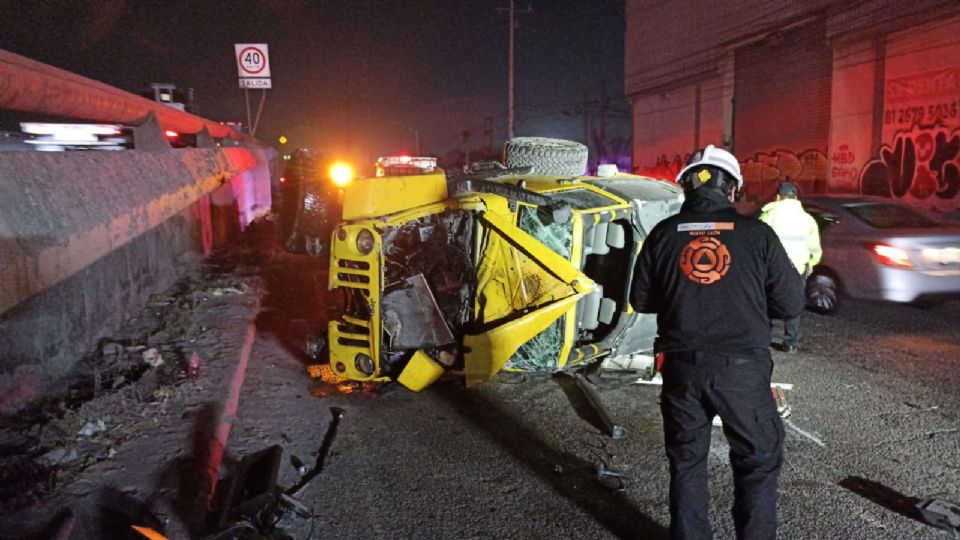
252,60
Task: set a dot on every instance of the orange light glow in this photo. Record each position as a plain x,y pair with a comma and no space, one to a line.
341,173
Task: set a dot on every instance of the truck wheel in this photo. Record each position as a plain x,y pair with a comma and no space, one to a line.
313,245
823,293
547,156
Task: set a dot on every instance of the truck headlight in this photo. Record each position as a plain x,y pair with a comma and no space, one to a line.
365,242
364,364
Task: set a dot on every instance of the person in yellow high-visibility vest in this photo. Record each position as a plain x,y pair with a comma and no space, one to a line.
800,237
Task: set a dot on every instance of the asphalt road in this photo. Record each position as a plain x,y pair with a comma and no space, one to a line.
874,427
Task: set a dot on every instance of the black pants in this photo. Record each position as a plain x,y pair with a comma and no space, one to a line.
791,331
696,387
791,327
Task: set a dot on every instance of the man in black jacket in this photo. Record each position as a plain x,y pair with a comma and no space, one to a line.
715,278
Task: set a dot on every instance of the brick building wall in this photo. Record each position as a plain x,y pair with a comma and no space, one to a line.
840,97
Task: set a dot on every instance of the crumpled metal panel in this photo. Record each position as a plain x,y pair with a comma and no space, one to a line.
487,353
509,281
412,318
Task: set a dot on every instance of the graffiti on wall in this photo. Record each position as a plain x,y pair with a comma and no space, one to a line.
921,99
844,171
922,166
764,171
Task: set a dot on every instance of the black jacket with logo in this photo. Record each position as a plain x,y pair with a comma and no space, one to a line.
714,278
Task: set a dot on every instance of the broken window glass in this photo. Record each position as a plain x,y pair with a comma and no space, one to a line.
541,352
556,236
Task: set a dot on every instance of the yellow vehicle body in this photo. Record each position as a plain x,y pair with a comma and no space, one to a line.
472,279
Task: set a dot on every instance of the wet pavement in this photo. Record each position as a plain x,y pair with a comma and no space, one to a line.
874,428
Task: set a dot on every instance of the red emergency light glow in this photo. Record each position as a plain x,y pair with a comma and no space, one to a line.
283,179
890,256
171,134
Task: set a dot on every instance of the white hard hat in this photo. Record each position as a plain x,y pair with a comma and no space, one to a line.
718,157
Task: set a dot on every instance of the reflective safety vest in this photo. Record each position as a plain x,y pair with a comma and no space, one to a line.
797,230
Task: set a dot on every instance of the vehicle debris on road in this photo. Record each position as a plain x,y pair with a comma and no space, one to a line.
152,358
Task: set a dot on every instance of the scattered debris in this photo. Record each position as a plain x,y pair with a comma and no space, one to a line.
252,502
613,430
316,346
66,525
780,398
90,429
111,349
286,501
152,358
58,456
251,494
337,414
149,533
610,478
193,366
298,464
446,358
329,384
941,514
220,291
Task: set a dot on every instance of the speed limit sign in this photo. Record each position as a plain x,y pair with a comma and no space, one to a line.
252,60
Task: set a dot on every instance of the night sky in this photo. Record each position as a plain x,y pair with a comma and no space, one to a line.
356,78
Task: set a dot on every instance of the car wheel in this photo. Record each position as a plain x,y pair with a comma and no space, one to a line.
823,293
547,156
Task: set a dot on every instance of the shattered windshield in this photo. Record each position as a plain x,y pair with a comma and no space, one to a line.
540,353
556,236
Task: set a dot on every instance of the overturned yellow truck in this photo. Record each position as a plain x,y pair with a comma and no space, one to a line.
522,266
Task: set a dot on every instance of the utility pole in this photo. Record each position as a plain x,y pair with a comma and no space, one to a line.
604,105
488,135
585,111
510,83
513,25
466,143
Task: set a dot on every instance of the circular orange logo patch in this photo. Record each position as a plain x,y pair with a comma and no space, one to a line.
705,260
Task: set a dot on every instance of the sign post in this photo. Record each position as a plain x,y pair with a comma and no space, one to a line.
253,67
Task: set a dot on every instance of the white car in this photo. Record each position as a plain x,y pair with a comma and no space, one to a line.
880,249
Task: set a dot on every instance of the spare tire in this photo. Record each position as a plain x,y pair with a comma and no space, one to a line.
558,157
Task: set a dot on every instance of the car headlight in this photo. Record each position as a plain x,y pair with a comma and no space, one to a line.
365,242
364,364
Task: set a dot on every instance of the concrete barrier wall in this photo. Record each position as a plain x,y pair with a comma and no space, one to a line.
86,237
